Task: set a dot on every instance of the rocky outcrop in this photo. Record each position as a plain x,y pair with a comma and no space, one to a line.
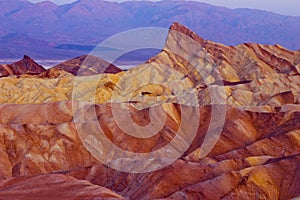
234,64
198,121
24,66
87,65
250,158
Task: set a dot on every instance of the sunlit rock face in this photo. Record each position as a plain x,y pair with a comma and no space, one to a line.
200,120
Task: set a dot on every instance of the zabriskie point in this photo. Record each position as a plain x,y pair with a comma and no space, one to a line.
233,112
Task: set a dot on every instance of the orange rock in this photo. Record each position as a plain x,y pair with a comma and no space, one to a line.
24,66
53,186
87,65
235,111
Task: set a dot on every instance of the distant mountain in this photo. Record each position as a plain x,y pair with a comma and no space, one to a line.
20,39
88,22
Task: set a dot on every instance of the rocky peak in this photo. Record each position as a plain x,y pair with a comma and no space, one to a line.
176,26
24,66
88,65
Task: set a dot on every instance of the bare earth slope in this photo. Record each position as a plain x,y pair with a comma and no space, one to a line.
24,66
88,65
236,108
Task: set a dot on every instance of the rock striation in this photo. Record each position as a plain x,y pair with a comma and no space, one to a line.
235,111
87,65
48,187
24,66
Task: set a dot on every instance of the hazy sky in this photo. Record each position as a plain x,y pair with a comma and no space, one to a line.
286,7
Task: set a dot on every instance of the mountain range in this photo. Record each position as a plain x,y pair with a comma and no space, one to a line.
46,30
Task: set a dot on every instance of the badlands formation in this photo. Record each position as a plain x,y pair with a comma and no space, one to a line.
233,113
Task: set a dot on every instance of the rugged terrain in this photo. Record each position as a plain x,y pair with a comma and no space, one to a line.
231,115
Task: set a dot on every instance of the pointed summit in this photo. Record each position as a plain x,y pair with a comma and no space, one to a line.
25,66
190,54
87,65
176,26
